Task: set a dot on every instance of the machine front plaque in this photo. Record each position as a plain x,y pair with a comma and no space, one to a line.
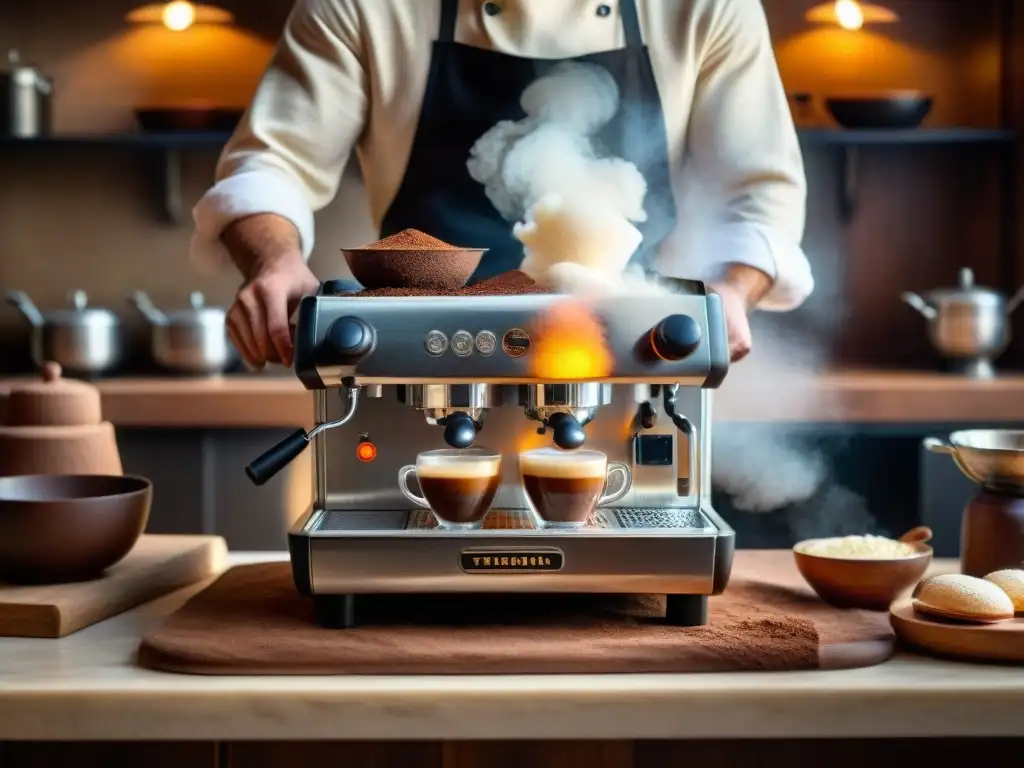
494,560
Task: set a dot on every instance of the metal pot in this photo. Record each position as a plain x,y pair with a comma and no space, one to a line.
25,100
193,340
84,340
968,325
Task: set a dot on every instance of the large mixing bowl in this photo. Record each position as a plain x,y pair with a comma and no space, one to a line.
993,458
62,528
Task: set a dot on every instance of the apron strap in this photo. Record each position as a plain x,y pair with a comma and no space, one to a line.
627,10
631,24
449,18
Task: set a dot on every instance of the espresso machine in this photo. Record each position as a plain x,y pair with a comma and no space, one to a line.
394,376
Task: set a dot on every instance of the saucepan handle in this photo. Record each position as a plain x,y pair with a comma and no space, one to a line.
935,445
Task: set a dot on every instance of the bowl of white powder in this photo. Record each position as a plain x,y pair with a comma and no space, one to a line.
864,571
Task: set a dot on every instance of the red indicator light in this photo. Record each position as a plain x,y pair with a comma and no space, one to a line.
366,451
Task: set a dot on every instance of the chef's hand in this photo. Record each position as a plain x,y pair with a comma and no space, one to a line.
276,278
741,288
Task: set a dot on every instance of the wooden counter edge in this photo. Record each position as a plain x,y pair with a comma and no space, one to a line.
839,397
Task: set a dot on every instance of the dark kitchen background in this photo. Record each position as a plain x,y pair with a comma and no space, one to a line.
883,218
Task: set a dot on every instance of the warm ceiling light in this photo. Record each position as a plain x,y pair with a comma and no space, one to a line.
850,14
179,15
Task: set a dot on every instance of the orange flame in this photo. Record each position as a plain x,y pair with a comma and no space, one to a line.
569,344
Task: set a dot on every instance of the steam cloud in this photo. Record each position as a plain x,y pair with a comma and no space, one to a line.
574,210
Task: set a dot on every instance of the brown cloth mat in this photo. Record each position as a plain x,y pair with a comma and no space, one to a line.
251,621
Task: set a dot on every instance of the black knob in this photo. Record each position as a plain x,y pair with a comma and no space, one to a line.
675,338
567,433
350,338
459,430
648,416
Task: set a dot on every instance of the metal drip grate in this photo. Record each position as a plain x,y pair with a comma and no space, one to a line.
659,518
343,520
509,520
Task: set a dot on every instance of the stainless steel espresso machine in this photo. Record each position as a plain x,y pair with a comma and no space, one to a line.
395,376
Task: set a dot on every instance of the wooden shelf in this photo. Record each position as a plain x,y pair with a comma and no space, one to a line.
124,140
161,150
914,136
165,149
848,144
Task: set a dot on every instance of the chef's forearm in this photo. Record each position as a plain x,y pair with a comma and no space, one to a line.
255,242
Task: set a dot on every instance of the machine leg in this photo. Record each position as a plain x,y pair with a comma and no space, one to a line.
686,610
335,611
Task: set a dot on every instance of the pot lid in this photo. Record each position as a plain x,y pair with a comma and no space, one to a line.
52,400
197,312
966,292
80,313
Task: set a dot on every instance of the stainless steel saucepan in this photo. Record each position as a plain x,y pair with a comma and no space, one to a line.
968,325
84,340
993,458
193,340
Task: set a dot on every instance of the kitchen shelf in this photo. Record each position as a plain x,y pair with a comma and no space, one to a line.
165,149
849,142
841,137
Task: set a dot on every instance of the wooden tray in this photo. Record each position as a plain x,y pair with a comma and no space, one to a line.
157,566
1002,642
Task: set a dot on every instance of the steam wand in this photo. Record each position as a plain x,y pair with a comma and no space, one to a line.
281,455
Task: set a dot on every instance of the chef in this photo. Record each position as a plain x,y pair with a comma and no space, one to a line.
409,86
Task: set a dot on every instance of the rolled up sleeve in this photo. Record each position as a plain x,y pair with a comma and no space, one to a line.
743,148
288,153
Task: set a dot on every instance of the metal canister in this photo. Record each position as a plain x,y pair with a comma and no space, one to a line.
25,100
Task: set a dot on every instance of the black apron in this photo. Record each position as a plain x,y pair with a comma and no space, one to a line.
468,91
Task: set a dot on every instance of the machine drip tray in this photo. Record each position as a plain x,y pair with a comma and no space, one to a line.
635,519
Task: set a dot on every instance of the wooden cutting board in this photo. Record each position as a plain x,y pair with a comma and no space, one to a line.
157,566
1002,642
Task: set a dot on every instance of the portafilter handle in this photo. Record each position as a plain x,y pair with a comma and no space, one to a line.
281,455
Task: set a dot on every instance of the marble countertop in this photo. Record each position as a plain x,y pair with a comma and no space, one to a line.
86,687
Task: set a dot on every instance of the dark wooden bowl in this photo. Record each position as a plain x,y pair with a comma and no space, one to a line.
63,528
439,270
854,583
893,111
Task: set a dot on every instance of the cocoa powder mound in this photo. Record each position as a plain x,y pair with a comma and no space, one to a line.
513,283
409,240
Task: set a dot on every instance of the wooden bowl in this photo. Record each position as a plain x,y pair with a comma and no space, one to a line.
858,583
62,528
437,270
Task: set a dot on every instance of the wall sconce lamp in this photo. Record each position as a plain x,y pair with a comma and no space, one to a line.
851,14
179,15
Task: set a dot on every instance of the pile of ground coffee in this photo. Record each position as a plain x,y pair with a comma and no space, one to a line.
410,240
514,283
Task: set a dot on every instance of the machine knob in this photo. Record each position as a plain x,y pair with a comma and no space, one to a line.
675,338
459,430
350,338
566,432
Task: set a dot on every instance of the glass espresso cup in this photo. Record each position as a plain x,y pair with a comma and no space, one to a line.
565,487
458,486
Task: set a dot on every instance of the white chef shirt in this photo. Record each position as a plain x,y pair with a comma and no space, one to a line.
349,76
